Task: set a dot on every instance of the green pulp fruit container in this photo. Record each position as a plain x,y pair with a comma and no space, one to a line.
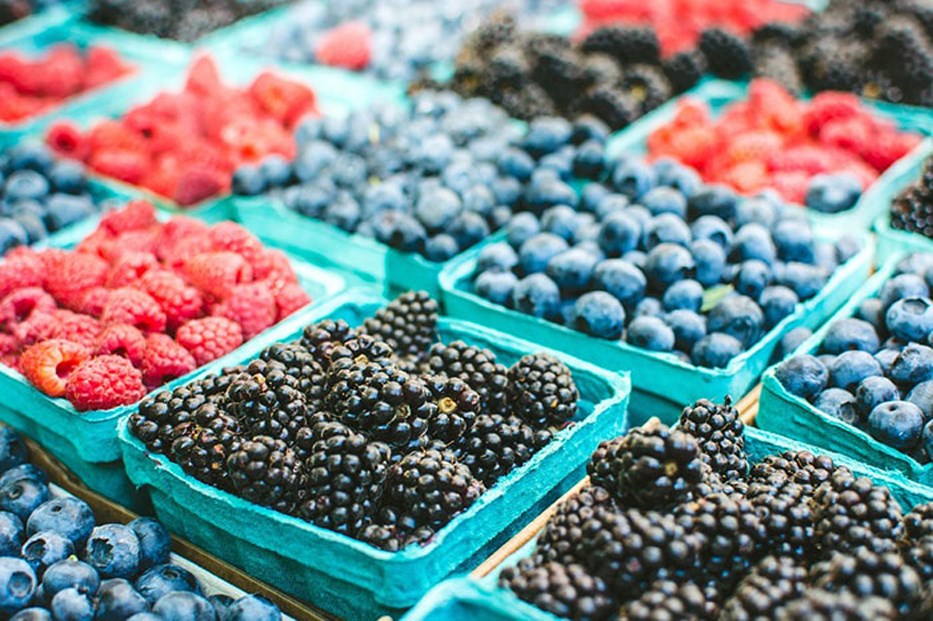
719,94
464,599
892,241
666,382
347,577
782,412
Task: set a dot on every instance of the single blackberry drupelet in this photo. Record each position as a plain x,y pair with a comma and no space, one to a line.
265,471
267,401
821,605
456,406
495,445
864,573
201,447
773,582
720,434
801,467
626,44
300,364
651,467
684,70
562,533
408,324
667,599
727,55
851,512
917,540
567,591
477,367
784,508
542,391
321,337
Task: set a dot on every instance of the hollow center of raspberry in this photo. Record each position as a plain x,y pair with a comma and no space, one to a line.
23,308
670,468
447,405
119,351
64,368
244,274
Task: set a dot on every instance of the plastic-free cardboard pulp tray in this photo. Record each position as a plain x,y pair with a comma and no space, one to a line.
348,577
892,241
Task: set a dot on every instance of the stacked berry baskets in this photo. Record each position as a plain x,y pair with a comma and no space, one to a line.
371,452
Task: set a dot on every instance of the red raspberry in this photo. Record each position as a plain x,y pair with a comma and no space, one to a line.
217,273
67,139
103,65
197,184
103,383
252,306
348,46
75,327
134,216
114,135
20,305
231,237
92,303
133,307
210,338
848,134
18,272
61,73
753,146
284,100
121,164
289,298
828,106
791,185
37,328
8,345
183,250
273,266
69,275
887,148
177,300
165,360
129,268
122,340
145,240
49,364
204,78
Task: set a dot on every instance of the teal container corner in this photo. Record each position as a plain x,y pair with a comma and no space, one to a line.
669,382
784,413
892,241
466,598
345,576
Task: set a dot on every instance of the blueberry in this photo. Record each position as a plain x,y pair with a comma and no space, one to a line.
738,316
665,200
875,390
535,254
824,256
753,241
468,229
589,161
900,287
117,600
400,231
12,234
44,549
592,195
17,584
349,171
612,203
66,209
70,517
536,295
113,550
72,605
650,333
248,180
438,208
802,375
32,614
68,176
898,424
276,170
794,241
31,155
516,163
752,278
910,319
561,163
521,228
588,127
915,263
688,326
777,302
886,358
714,229
666,229
560,220
666,264
851,367
870,310
710,260
618,234
33,225
11,534
648,307
164,579
621,279
847,247
757,210
637,258
572,270
13,451
683,294
499,256
837,403
599,314
145,616
495,286
833,192
184,606
715,350
221,604
546,135
308,130
926,438
26,185
847,334
794,339
547,192
500,216
69,573
343,212
714,200
384,196
23,471
479,199
913,365
252,608
588,231
827,360
633,178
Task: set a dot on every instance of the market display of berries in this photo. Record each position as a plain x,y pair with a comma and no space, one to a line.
650,255
58,563
661,532
136,304
912,208
379,432
185,146
183,20
820,153
875,370
31,86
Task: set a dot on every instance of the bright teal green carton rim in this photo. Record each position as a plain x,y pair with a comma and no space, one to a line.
785,413
469,598
659,374
349,577
892,241
718,94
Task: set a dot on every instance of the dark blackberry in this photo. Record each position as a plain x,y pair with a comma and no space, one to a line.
784,34
359,351
667,599
560,73
720,434
864,573
611,105
497,30
506,69
201,447
477,367
345,481
456,406
834,65
563,531
912,210
801,467
267,401
567,591
393,539
408,324
431,487
778,64
300,364
542,391
265,471
601,70
651,467
784,509
712,483
851,512
321,337
647,85
821,605
528,103
774,582
495,445
917,540
684,70
727,56
626,44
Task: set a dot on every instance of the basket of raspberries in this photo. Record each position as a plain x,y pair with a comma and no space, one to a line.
862,384
393,450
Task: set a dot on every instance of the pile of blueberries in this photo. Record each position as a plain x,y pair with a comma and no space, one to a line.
56,564
39,194
649,254
875,370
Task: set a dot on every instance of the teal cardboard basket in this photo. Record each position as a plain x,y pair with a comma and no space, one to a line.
892,241
348,577
783,412
718,94
668,382
463,599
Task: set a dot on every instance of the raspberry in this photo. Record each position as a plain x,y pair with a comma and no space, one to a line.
252,306
348,46
67,139
122,340
210,338
103,65
129,268
61,74
177,300
231,237
19,306
75,327
197,184
8,344
114,135
204,78
92,303
828,106
134,216
37,328
19,272
887,148
284,100
217,273
49,364
121,164
274,266
69,275
290,298
165,360
133,307
180,229
132,241
104,382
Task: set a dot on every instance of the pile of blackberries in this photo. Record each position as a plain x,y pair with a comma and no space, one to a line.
912,209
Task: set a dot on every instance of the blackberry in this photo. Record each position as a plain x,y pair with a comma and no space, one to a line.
506,69
720,434
567,591
564,529
667,599
624,43
408,324
684,70
431,487
778,64
345,480
265,471
864,573
498,29
727,56
801,467
477,367
542,391
495,445
774,582
456,406
560,73
784,34
821,605
611,105
321,337
834,65
646,84
651,467
528,103
300,364
359,351
912,210
201,447
392,539
851,512
601,70
785,511
267,401
917,540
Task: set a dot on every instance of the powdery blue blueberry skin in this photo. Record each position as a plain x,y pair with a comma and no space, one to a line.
560,220
803,375
591,195
44,549
495,286
69,573
753,277
710,261
714,200
516,163
683,295
522,227
546,192
599,314
12,234
117,600
898,424
900,287
793,240
161,580
23,496
17,584
910,319
753,241
11,534
756,210
441,248
825,256
252,608
921,395
913,365
886,358
113,550
183,606
145,616
926,438
592,248
23,471
666,229
851,367
537,295
437,208
32,614
682,178
73,605
25,185
875,390
589,160
637,258
621,279
572,270
794,339
276,170
221,604
618,234
833,192
870,310
612,203
650,333
715,350
546,135
537,252
714,229
914,263
826,359
806,280
688,327
837,403
849,333
648,307
66,209
664,199
777,302
666,264
633,178
248,180
738,316
499,256
479,199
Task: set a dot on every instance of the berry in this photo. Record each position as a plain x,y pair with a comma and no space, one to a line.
852,512
348,46
265,471
202,446
542,391
252,306
567,591
477,367
165,360
727,56
113,550
774,582
675,600
719,432
495,445
408,324
209,338
50,364
266,400
104,382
